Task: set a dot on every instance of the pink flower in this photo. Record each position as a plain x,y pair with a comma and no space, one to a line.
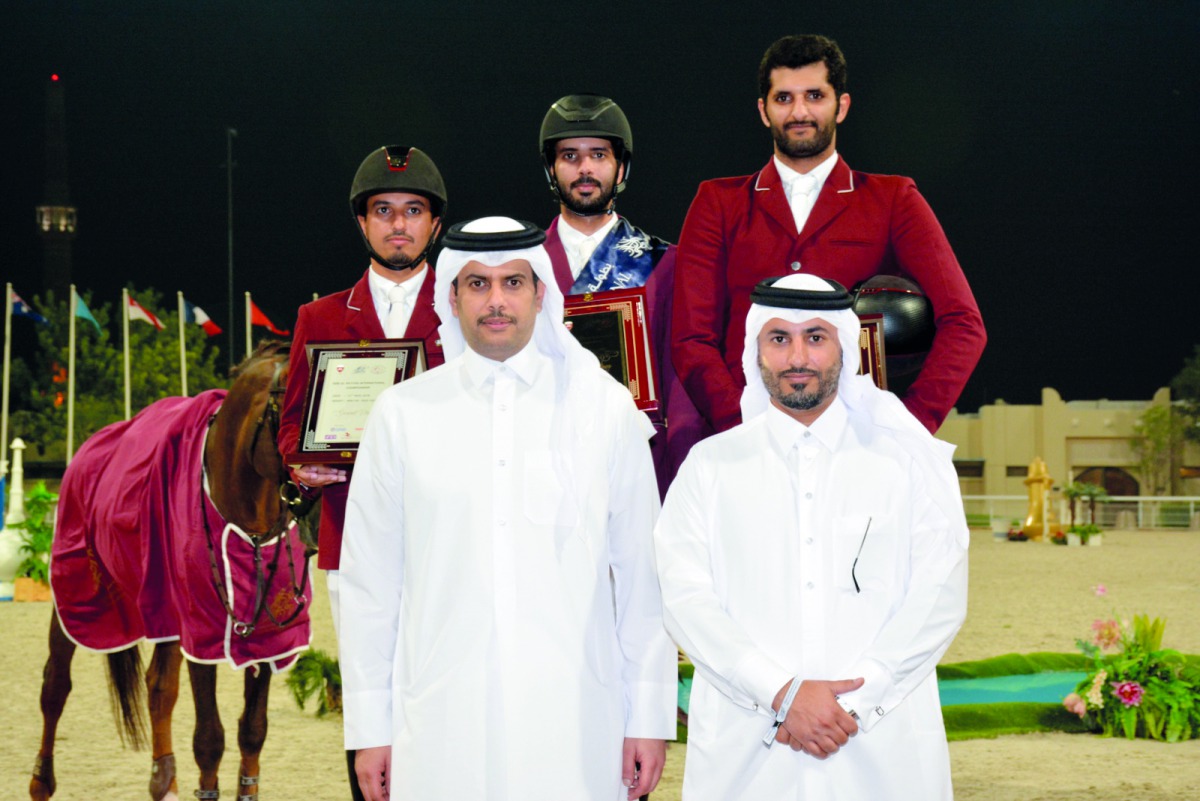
1100,590
1128,693
1106,633
1075,704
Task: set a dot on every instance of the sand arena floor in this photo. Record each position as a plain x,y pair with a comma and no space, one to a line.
1024,597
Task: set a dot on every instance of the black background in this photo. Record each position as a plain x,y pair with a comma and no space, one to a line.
1054,140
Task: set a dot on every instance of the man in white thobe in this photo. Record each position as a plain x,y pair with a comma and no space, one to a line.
501,617
813,564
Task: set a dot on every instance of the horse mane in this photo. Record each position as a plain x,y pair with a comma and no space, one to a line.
266,349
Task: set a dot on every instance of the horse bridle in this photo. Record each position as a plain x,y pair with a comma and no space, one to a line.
270,420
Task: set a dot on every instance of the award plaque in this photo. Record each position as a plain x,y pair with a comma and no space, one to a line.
345,378
613,326
870,349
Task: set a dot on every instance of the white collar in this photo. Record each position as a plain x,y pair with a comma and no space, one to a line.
380,286
820,172
786,431
525,364
573,238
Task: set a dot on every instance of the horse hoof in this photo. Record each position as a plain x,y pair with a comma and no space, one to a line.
207,795
42,785
162,776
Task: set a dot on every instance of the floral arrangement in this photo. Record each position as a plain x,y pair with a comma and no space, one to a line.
1136,687
1015,533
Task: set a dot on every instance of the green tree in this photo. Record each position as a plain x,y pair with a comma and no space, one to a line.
1158,444
1185,391
99,368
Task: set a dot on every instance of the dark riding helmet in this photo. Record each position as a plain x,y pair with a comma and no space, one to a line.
399,168
586,115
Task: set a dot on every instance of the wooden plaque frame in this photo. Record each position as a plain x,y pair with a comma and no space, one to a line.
614,326
332,436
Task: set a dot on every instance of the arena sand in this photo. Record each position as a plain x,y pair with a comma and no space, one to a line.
1025,597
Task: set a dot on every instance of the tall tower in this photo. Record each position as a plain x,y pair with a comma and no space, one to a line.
56,215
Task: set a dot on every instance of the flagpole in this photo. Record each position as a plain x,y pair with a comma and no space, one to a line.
125,339
182,349
249,349
8,292
230,133
71,377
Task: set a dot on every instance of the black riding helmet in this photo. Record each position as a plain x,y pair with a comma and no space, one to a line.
586,115
399,168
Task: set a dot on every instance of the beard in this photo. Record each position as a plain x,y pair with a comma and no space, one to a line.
822,138
399,261
801,399
597,204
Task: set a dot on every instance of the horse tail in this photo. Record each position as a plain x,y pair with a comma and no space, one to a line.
125,691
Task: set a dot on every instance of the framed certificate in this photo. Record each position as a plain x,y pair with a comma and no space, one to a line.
345,378
613,326
870,349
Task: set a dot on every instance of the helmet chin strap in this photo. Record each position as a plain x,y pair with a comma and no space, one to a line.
412,265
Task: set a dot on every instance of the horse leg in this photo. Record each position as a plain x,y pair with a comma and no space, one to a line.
252,730
208,741
56,686
162,690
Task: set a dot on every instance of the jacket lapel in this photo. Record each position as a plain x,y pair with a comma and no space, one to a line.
558,258
361,319
770,196
424,320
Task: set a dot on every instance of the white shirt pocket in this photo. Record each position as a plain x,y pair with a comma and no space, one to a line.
865,558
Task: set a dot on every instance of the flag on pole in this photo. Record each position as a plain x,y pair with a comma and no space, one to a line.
258,318
139,312
22,309
81,310
194,314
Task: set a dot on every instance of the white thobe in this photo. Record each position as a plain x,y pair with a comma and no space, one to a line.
756,550
483,634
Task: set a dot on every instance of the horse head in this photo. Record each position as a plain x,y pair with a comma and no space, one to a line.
245,468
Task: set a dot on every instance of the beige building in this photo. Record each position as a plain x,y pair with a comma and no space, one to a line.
1079,440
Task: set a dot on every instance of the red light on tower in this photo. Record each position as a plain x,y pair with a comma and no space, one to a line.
54,77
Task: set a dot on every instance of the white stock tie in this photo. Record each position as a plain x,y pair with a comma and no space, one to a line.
802,196
397,312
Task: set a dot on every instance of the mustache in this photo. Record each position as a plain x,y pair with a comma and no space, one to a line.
798,371
508,318
585,182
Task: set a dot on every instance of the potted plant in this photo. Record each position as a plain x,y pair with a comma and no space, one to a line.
37,535
317,673
1088,533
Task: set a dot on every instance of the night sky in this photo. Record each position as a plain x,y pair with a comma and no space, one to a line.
1056,142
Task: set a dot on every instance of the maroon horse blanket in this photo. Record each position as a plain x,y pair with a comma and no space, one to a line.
130,562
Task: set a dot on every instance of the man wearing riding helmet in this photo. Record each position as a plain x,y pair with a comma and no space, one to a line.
398,199
587,151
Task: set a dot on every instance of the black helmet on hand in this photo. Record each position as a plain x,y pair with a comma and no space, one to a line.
591,116
399,168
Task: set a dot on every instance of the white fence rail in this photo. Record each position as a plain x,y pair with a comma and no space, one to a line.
998,512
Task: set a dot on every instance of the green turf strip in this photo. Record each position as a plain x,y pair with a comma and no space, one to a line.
1014,665
984,720
975,721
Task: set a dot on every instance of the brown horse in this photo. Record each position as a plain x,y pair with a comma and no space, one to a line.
202,562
